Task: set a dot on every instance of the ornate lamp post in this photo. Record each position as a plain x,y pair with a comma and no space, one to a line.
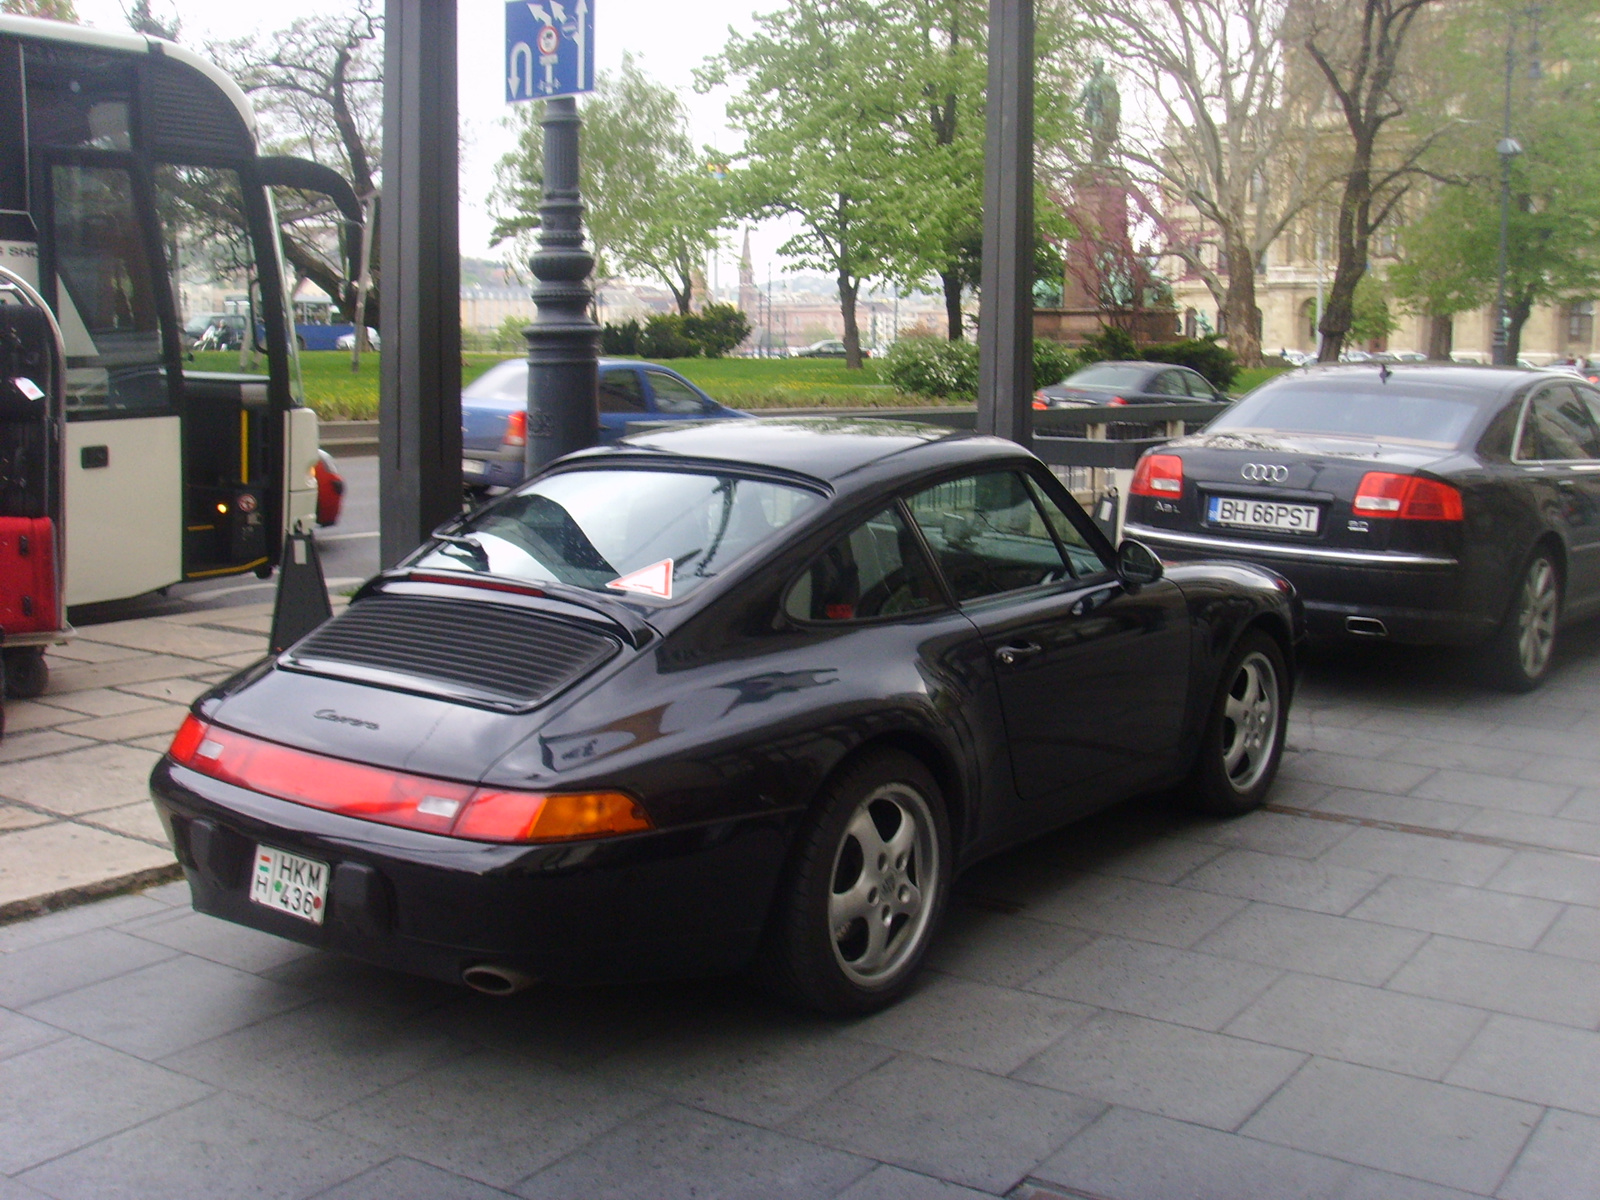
1508,148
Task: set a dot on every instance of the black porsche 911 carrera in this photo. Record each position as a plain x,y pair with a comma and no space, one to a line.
729,694
1454,505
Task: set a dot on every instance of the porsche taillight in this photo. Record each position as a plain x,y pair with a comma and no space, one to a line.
1406,497
443,806
1158,475
516,429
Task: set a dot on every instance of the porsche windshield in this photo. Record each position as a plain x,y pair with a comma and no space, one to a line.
621,532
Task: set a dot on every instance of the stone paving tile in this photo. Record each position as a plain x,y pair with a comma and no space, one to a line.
1445,1135
81,651
1363,743
1556,768
70,1093
894,1183
50,968
101,702
318,1058
454,1115
147,722
1460,911
1344,770
1545,742
1549,833
1576,934
52,858
220,941
25,715
225,1146
1160,861
1441,727
1560,1161
762,1067
155,636
13,816
999,948
1404,810
1314,943
1461,756
1136,1156
694,1155
1392,853
19,1033
1517,982
1535,1061
1365,1025
1167,1069
1135,909
1161,982
950,1122
408,1179
1366,1184
38,743
172,691
1275,833
1563,877
972,1024
247,659
81,781
1488,791
141,669
138,1011
132,820
37,931
1292,882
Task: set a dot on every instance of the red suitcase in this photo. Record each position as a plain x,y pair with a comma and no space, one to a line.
27,575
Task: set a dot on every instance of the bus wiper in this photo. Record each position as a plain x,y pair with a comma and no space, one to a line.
470,546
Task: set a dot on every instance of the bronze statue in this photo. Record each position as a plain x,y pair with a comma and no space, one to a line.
1102,112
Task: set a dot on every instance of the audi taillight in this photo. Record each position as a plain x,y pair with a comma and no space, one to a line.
1158,475
1408,497
443,806
516,429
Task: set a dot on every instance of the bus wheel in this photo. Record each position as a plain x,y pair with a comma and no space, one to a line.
26,675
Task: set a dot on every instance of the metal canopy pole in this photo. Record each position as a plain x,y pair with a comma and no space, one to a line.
419,431
1005,319
563,341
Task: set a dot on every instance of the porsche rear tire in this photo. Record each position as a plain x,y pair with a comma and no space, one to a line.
865,890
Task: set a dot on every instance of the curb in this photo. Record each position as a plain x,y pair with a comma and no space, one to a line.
38,906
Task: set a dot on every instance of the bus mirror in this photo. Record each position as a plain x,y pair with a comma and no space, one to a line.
306,176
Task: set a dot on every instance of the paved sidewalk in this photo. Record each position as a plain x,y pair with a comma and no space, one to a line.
75,814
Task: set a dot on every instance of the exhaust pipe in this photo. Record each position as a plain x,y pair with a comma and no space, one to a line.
494,980
1365,627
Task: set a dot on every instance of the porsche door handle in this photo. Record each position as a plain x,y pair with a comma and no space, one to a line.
1013,653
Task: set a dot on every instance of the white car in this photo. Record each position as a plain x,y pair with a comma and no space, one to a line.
347,341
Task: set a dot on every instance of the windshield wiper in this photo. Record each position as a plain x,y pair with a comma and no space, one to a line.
473,549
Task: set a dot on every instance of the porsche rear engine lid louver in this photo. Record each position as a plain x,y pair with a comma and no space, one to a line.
494,654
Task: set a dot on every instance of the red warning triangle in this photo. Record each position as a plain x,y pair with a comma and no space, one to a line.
654,580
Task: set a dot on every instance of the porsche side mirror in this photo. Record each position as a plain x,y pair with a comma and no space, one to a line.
1137,564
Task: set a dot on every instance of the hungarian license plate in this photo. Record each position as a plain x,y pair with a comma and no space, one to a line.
472,466
1263,514
291,884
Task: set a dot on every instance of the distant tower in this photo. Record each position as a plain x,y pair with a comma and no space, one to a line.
749,293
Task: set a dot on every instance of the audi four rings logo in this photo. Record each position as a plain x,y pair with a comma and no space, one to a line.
1264,472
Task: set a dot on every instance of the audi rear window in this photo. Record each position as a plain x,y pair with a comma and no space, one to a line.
1108,375
1390,413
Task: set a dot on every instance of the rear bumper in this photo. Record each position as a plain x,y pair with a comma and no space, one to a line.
672,903
484,469
1417,598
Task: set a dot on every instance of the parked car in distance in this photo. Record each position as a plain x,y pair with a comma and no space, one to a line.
827,348
1128,383
733,694
494,410
347,341
1445,504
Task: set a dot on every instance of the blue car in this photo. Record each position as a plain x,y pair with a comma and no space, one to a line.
494,413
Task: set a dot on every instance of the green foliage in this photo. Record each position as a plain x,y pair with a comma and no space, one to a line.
933,367
717,328
667,336
1371,319
1109,345
1052,361
622,340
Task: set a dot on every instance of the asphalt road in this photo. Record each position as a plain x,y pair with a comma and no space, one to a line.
349,552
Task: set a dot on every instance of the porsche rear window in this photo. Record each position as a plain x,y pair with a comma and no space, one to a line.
1387,413
621,532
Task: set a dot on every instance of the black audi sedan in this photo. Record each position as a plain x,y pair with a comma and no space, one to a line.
1454,505
1128,383
728,694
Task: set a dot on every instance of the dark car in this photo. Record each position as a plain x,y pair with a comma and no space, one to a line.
1455,505
494,410
827,348
733,693
1128,383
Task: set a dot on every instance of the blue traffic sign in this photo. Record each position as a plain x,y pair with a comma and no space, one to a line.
549,49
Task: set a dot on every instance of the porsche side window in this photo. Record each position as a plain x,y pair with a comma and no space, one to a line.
1562,429
876,570
987,535
1080,555
620,392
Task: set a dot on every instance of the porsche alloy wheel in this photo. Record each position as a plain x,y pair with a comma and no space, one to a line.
1243,741
866,891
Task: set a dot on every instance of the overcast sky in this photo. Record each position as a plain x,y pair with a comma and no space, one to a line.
669,40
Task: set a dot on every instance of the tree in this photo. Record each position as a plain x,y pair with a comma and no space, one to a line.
143,19
1231,133
1359,47
317,87
653,207
53,10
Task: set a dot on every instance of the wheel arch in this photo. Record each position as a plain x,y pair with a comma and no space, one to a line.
939,763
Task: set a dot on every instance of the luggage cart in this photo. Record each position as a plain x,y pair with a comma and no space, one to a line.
32,412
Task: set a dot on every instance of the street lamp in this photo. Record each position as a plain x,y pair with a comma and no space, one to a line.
1508,148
